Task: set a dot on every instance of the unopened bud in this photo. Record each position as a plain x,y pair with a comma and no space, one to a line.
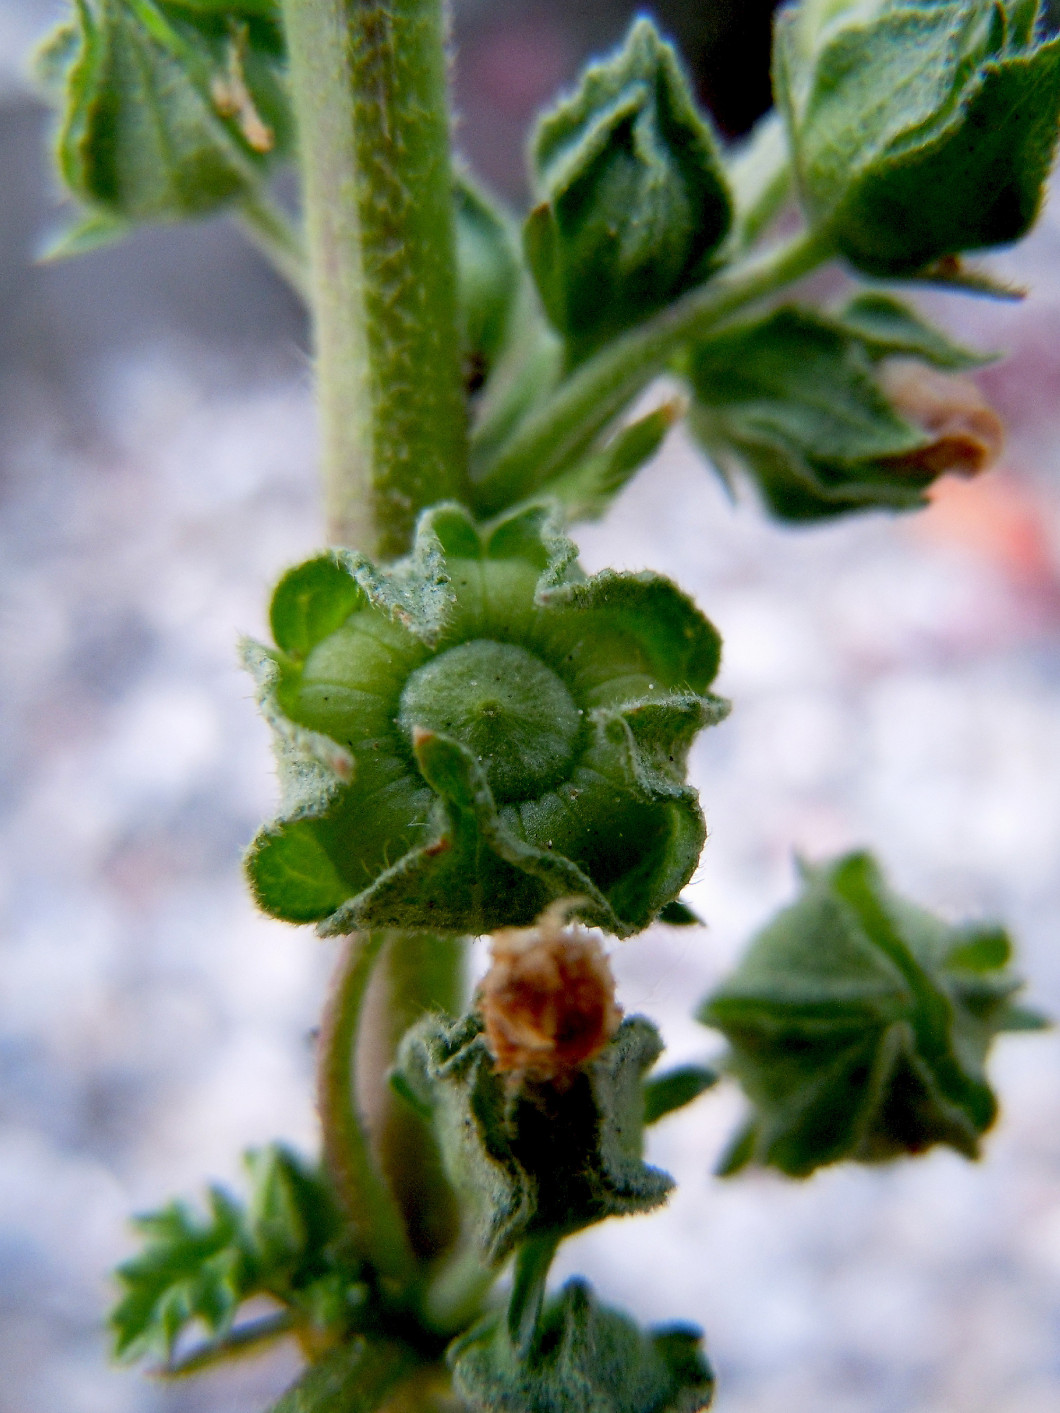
548,998
967,435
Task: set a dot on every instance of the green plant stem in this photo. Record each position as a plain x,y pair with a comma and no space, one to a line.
416,973
586,402
247,1339
528,1288
275,235
368,79
362,1190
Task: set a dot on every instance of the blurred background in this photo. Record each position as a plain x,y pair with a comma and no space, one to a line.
896,685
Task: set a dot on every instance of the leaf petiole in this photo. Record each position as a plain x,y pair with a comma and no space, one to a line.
583,406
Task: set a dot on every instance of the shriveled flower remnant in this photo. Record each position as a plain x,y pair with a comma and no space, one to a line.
548,999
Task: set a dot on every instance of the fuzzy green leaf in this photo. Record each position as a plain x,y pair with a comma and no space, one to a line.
169,110
191,1269
921,131
540,1161
484,732
859,1026
355,1377
633,200
195,1271
586,1358
794,399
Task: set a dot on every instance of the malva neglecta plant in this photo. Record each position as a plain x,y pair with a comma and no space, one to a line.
473,735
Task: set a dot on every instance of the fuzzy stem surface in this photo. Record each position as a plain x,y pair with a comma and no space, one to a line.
369,86
367,1199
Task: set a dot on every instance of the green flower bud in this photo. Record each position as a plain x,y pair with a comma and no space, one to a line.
479,730
633,197
919,130
168,111
859,1026
585,1358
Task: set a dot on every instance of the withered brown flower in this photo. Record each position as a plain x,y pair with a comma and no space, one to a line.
548,998
967,435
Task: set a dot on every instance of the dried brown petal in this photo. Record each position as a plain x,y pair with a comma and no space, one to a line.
967,435
548,998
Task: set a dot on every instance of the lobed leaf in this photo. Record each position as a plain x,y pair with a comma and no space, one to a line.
196,1271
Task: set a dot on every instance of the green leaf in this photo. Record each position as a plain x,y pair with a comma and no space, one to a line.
586,1358
666,1093
489,277
859,1027
794,399
196,1271
169,110
633,200
540,1161
355,1377
477,731
921,131
192,1269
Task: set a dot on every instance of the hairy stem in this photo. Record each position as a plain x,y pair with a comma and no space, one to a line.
369,86
347,1150
586,402
245,1339
417,973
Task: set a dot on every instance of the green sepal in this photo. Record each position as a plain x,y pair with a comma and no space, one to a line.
586,490
92,230
859,1026
538,1160
489,277
633,198
679,914
667,1092
357,1376
794,400
195,1271
585,1358
402,805
921,130
142,135
887,328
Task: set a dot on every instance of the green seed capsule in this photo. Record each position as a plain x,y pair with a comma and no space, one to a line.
479,730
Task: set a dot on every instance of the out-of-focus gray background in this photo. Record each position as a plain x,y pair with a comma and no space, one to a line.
896,684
